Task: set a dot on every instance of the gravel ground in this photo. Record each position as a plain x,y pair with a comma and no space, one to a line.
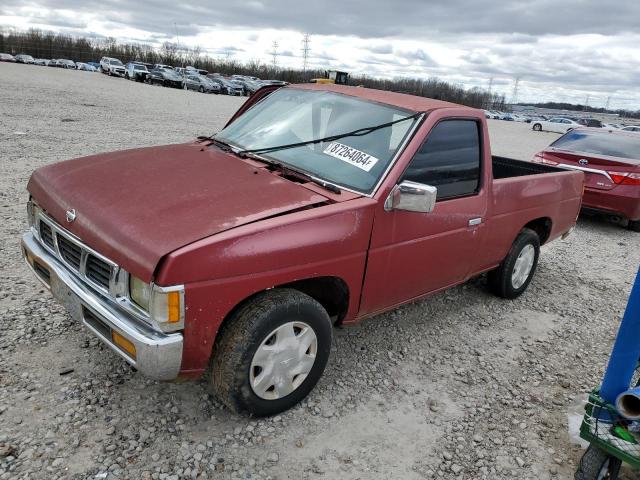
459,386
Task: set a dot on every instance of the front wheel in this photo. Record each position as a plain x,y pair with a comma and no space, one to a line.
537,127
515,272
271,352
596,464
201,89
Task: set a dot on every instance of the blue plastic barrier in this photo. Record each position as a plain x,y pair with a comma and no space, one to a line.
626,350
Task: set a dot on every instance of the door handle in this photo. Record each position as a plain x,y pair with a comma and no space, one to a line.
475,221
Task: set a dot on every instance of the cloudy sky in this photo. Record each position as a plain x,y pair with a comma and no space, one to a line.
564,50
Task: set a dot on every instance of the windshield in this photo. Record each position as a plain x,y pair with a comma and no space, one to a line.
115,62
140,67
600,143
291,116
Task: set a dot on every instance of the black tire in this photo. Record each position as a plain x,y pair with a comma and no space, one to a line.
501,279
537,127
126,76
596,464
246,330
201,89
634,225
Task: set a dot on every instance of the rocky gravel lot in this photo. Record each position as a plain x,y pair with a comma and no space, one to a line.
459,386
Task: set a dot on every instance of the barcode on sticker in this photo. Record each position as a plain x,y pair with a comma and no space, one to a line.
351,155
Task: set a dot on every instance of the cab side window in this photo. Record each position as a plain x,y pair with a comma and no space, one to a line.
449,159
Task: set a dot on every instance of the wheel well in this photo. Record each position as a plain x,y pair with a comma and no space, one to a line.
330,292
542,226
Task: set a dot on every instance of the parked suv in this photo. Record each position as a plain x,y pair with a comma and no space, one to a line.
112,66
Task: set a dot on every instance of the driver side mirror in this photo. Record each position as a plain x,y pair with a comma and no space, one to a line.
412,197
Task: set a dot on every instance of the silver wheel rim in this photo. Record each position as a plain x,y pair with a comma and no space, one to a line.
523,265
283,360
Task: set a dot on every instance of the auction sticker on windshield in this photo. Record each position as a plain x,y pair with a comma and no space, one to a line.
351,155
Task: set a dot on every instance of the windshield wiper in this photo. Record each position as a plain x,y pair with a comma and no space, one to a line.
286,169
355,133
220,144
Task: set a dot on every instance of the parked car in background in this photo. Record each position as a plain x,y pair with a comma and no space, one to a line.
22,58
206,259
86,67
557,124
590,122
136,71
96,65
41,61
6,57
167,77
112,66
200,83
66,63
53,62
227,87
611,162
611,126
631,128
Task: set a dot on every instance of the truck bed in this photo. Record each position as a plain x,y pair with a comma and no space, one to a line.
504,167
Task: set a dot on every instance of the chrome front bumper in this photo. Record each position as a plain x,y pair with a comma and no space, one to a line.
157,355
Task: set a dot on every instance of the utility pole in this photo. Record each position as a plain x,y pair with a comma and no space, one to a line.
306,49
586,102
177,40
606,106
490,99
274,54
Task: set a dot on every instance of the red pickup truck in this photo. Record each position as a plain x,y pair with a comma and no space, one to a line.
316,205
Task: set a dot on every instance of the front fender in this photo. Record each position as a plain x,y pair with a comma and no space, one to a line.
221,271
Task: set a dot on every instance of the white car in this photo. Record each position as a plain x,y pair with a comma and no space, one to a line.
86,66
631,128
557,124
112,66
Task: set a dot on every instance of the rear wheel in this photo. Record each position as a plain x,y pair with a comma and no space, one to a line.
634,225
271,352
201,89
515,272
537,127
596,464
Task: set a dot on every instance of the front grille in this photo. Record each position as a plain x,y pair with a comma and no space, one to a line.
98,271
70,252
86,263
46,234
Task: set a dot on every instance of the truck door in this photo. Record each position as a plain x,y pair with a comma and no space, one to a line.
414,253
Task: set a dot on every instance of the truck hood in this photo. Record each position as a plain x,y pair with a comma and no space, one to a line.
136,206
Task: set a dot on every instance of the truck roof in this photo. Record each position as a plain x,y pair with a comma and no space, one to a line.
402,100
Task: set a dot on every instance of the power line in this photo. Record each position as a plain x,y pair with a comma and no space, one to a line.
274,54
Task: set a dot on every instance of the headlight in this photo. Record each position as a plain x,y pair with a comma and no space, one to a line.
140,292
165,305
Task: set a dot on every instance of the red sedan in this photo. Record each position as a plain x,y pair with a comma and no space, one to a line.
611,162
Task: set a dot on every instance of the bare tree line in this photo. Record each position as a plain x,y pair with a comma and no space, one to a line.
41,44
